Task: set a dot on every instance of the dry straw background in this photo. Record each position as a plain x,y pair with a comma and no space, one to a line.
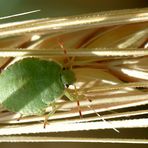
108,52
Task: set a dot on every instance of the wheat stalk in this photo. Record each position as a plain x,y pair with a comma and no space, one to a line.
111,91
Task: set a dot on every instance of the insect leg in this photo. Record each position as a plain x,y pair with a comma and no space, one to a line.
49,114
19,118
74,97
80,113
78,102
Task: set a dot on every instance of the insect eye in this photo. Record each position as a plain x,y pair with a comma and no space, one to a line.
65,68
67,85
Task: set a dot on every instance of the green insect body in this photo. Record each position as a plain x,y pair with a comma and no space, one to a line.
30,85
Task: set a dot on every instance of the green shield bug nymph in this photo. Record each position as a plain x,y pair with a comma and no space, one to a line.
30,85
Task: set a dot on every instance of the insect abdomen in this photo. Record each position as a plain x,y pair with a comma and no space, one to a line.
29,85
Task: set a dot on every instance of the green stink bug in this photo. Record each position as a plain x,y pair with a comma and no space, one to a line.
30,85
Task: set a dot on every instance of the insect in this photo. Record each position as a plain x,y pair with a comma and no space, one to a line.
30,85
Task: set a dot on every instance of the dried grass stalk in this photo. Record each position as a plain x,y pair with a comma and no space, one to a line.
115,91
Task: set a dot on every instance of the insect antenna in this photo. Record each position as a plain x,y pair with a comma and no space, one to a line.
69,65
89,106
61,44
